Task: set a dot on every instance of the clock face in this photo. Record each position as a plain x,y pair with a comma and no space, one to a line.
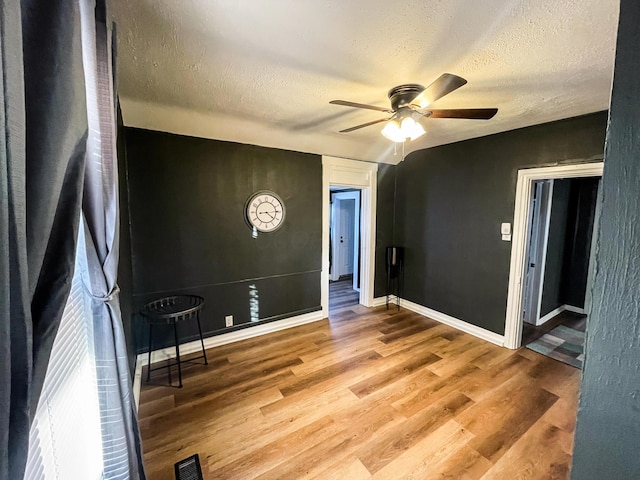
265,211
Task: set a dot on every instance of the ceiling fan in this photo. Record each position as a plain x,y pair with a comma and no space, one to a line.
410,102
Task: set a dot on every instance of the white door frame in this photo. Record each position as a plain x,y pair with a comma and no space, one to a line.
526,177
339,196
364,176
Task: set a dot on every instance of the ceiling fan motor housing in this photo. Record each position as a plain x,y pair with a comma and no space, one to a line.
403,95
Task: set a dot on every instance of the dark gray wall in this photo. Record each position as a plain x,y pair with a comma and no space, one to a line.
608,429
451,201
187,198
125,268
384,224
552,287
584,195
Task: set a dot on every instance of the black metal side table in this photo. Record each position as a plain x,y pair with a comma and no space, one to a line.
171,311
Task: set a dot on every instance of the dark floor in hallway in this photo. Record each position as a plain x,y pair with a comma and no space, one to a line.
531,333
561,338
342,294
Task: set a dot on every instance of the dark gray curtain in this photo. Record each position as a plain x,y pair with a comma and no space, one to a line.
41,177
99,237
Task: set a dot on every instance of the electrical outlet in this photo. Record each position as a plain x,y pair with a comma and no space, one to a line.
228,320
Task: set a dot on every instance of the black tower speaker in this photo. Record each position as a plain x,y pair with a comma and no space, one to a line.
394,265
395,259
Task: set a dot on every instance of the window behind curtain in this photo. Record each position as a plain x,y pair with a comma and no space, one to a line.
65,441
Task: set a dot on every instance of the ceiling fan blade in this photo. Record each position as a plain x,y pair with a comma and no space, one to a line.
444,85
470,113
344,103
346,130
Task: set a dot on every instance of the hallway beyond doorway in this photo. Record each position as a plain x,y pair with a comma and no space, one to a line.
342,294
561,338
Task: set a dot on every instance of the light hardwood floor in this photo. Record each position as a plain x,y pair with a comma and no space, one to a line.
370,394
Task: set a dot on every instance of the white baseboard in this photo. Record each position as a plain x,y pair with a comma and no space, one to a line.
456,323
218,340
550,315
379,301
571,308
558,311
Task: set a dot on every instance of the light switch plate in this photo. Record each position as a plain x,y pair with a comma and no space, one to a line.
505,229
506,238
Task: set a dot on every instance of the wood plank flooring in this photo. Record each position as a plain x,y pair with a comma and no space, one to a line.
369,394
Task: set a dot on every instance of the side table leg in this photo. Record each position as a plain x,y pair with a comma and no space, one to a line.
204,353
175,336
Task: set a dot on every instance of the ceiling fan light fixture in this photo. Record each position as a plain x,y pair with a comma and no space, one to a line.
400,130
393,132
411,128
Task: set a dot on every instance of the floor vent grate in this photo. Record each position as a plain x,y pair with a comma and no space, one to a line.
189,469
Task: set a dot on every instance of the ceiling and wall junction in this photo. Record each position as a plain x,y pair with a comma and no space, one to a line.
263,73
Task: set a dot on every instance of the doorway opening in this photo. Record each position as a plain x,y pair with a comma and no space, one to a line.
561,225
344,250
350,175
556,210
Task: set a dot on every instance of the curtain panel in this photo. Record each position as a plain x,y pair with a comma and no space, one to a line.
41,176
99,236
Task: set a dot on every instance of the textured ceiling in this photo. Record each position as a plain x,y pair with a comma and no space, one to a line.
263,72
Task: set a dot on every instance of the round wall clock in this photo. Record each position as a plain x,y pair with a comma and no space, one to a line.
265,211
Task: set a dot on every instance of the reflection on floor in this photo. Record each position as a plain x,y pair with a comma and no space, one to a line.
561,338
342,294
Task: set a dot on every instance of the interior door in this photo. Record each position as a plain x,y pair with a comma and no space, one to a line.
540,212
344,234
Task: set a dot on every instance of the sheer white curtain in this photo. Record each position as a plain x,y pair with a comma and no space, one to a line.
99,238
